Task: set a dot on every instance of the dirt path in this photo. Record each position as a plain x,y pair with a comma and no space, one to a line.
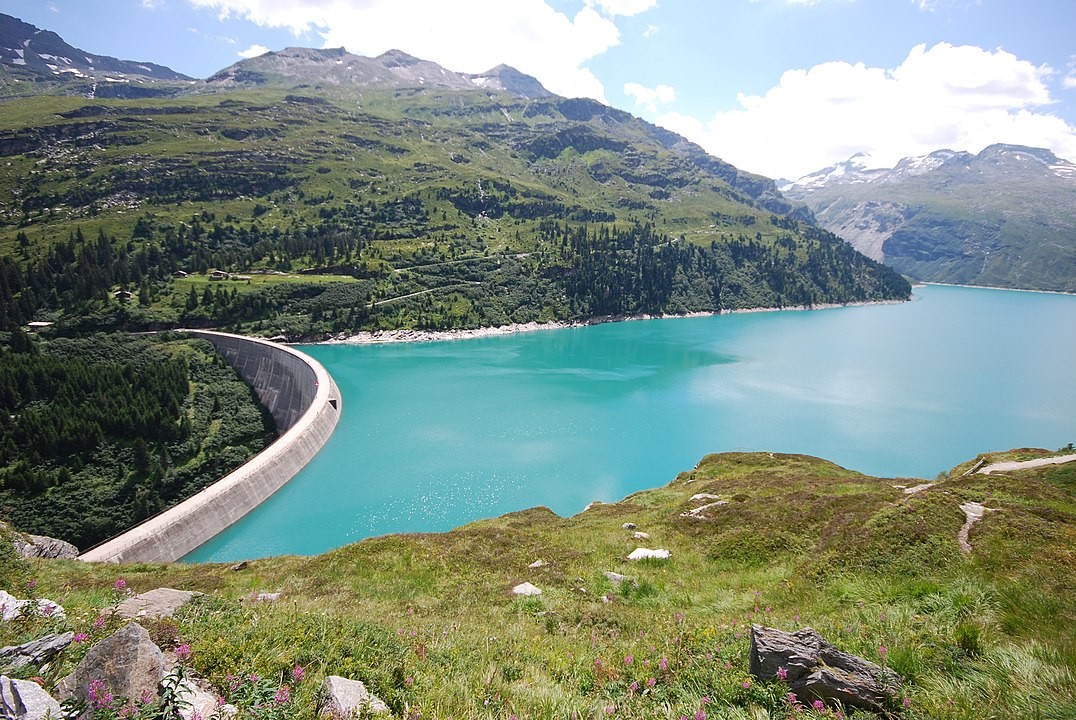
1014,465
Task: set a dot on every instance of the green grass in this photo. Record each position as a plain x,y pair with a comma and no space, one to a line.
428,621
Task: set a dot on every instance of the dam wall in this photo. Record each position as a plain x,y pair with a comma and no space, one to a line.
305,402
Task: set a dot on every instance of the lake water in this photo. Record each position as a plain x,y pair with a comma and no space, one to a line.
434,435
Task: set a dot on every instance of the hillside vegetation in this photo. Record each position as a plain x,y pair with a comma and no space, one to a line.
428,621
381,200
100,433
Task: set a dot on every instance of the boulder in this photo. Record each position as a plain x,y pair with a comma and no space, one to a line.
11,607
815,669
345,698
25,700
127,662
162,602
41,546
36,652
526,589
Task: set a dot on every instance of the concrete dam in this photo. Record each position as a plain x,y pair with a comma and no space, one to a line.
305,403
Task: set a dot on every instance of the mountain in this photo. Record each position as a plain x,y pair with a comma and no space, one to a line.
397,194
33,61
1005,217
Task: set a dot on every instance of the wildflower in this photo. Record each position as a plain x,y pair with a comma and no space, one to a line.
651,682
99,622
633,688
597,663
409,681
297,674
283,695
31,584
127,711
663,664
782,674
233,682
700,714
792,700
47,609
705,700
818,705
610,709
907,703
183,652
629,659
746,684
80,637
99,695
120,585
146,698
882,652
254,678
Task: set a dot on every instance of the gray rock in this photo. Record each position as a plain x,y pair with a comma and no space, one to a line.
41,546
628,526
345,698
25,700
201,702
127,662
36,652
616,578
526,589
162,602
816,670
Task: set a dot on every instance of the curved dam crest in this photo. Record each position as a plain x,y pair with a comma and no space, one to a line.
305,403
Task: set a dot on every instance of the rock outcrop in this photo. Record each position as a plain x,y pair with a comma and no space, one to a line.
41,546
127,662
36,652
345,698
25,700
815,669
161,602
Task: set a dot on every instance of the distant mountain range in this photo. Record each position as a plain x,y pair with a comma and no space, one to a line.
1005,217
33,60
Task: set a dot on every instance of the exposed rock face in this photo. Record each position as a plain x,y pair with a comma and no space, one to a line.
349,698
162,602
36,652
25,700
41,546
815,669
127,662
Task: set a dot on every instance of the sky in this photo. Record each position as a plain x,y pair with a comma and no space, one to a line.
777,87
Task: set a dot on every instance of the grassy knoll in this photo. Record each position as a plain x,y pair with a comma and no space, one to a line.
429,622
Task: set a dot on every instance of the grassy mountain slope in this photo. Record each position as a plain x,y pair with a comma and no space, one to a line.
429,622
436,204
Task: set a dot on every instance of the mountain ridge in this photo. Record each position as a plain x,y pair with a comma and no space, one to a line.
1003,217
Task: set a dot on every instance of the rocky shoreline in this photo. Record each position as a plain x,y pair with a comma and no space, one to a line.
410,335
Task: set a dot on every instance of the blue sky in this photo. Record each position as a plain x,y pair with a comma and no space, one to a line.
779,87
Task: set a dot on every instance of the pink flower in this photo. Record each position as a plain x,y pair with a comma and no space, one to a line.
31,584
183,652
746,684
120,585
283,695
297,673
907,702
663,664
792,701
882,652
80,637
700,714
99,695
99,622
409,681
610,709
633,688
629,659
818,705
651,682
782,674
705,700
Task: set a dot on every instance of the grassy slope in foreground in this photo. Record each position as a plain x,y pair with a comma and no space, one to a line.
428,620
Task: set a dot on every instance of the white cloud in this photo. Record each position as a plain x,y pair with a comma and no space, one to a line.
963,98
651,31
650,97
465,36
253,51
152,4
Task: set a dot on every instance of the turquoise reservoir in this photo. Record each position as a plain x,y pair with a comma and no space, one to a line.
434,435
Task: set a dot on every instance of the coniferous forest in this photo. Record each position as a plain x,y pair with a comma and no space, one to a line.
101,432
